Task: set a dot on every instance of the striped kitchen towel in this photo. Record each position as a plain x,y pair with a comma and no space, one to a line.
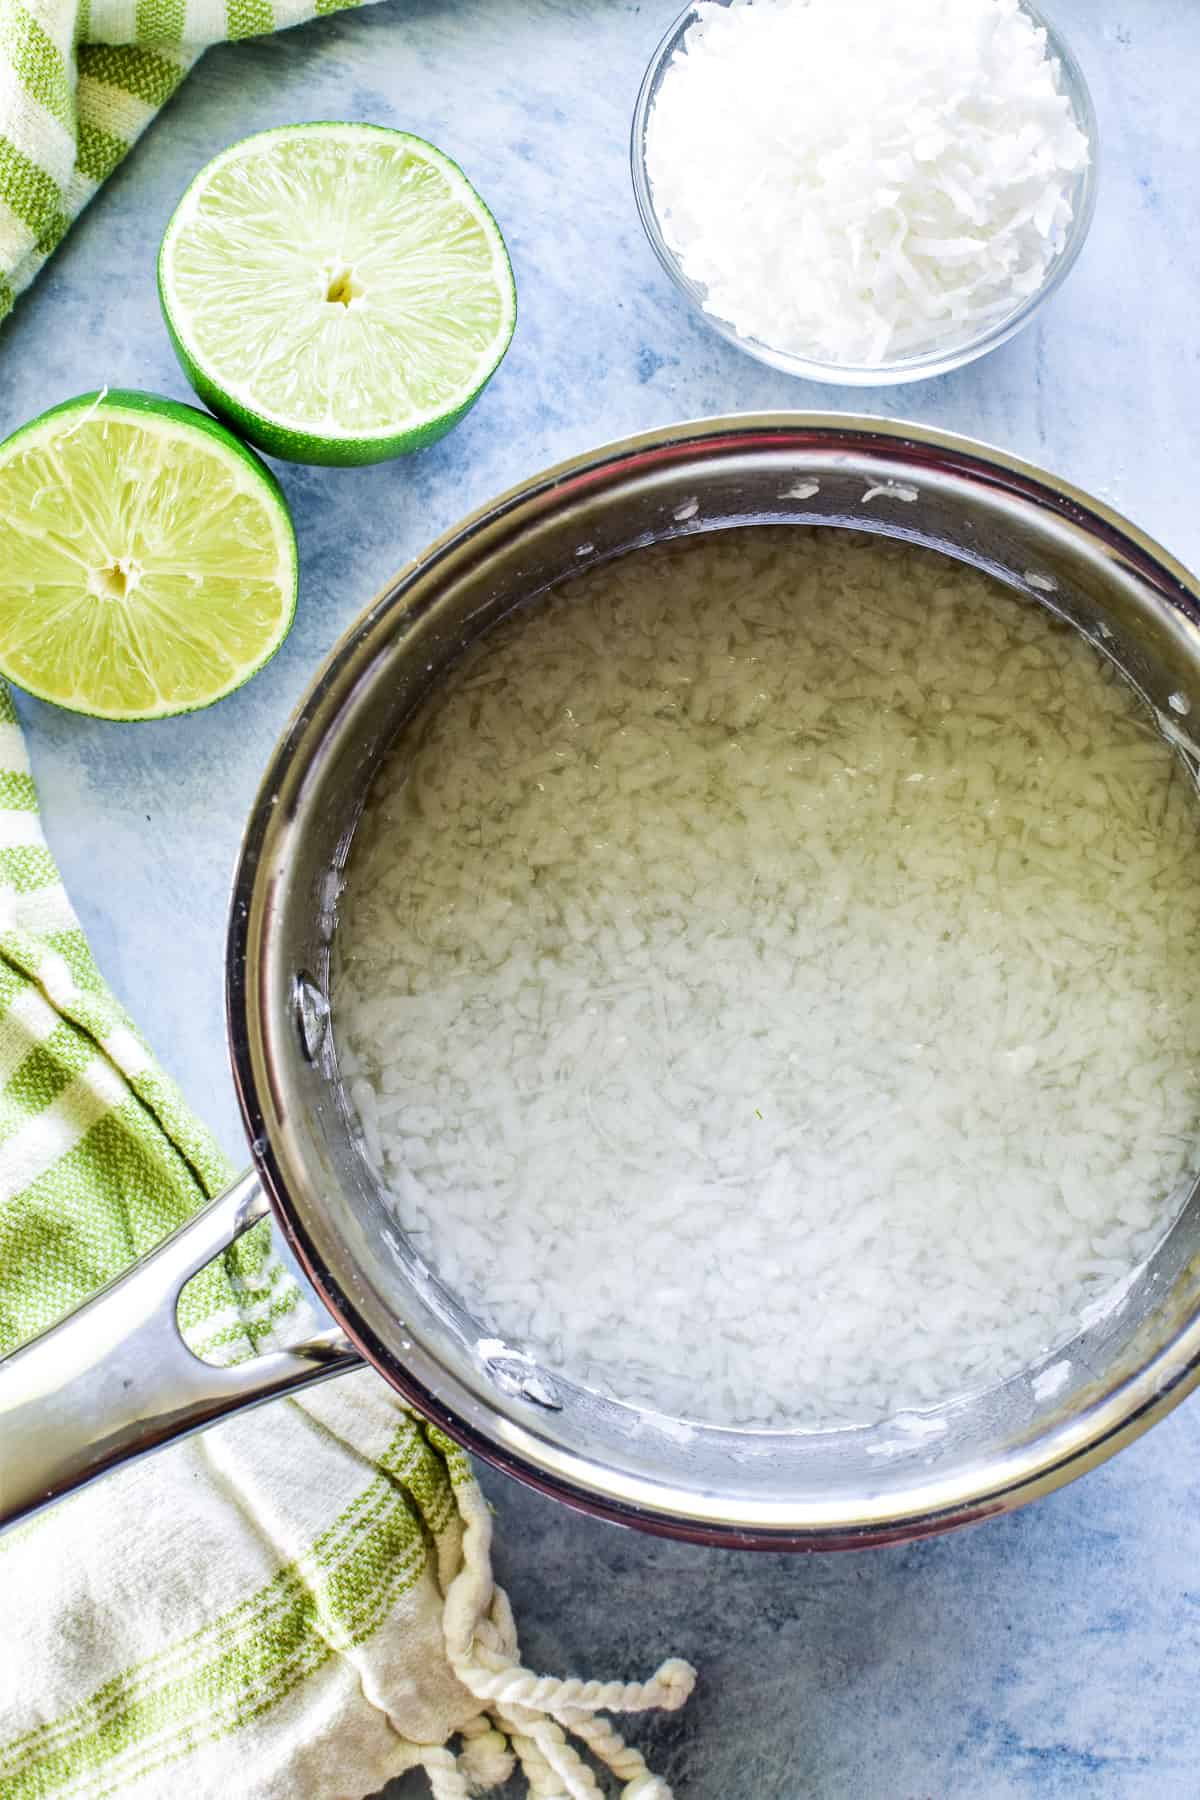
79,82
296,1605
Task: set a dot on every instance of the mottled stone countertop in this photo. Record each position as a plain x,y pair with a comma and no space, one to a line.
1054,1652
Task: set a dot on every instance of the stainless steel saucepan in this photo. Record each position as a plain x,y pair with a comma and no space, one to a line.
115,1379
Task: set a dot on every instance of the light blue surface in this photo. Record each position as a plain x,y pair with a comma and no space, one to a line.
1054,1653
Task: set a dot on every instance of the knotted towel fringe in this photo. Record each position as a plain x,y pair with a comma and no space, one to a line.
535,1714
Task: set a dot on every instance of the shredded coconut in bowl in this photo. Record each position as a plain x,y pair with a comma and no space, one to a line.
857,181
768,979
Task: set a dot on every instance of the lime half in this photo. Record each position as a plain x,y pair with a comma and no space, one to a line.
147,560
336,293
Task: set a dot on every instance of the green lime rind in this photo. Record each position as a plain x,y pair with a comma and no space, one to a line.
136,400
288,445
25,598
269,430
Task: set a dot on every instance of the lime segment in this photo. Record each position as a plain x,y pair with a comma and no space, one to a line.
147,560
337,293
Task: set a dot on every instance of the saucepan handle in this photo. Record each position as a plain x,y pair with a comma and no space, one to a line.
115,1379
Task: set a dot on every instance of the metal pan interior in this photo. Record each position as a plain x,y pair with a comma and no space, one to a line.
813,1489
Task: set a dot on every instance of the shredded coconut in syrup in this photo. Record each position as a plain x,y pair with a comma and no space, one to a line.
769,979
860,180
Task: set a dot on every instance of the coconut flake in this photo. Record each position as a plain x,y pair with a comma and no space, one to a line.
717,1062
891,490
860,183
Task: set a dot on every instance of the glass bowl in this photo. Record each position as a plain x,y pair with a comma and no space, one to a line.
938,360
